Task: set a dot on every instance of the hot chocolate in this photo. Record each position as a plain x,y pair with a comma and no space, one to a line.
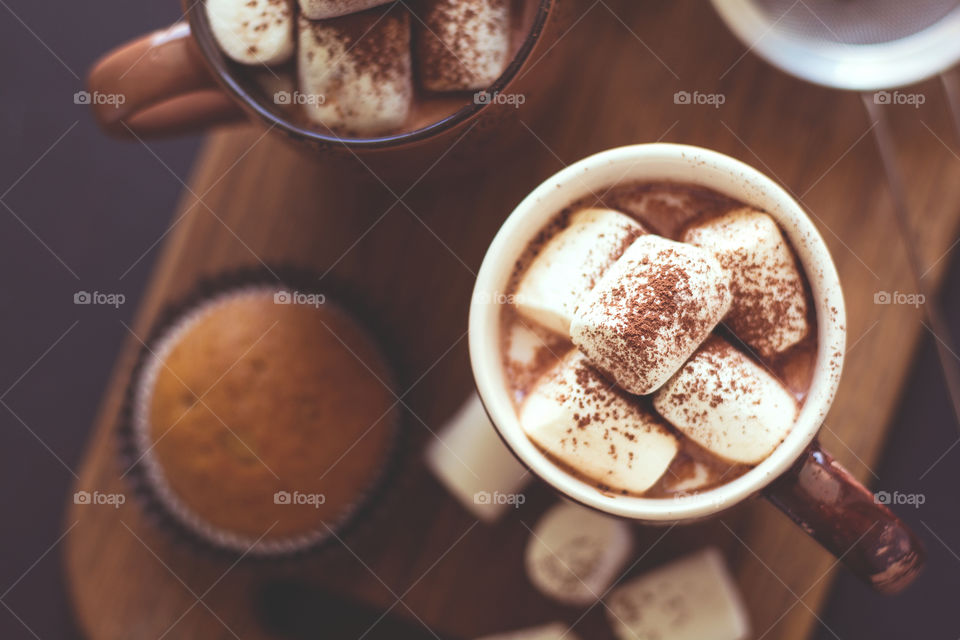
658,339
368,68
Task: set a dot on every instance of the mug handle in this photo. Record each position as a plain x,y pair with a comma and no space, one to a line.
160,86
846,518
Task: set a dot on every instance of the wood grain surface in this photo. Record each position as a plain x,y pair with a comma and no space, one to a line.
411,251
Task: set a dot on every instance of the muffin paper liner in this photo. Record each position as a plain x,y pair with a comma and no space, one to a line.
144,473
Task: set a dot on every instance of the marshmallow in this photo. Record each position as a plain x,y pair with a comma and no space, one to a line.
728,404
697,476
552,631
472,462
689,599
650,311
524,344
253,31
574,554
588,424
769,310
355,71
322,9
462,44
569,264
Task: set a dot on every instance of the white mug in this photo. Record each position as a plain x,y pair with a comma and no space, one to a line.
798,476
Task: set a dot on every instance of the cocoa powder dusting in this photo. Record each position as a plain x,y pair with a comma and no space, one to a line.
668,209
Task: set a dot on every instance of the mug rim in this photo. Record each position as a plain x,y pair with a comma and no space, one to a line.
217,62
657,161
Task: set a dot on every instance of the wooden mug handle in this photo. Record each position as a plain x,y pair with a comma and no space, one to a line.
849,520
158,85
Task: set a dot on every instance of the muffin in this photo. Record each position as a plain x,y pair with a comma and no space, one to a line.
262,419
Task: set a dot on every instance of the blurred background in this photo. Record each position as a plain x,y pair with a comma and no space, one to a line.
83,213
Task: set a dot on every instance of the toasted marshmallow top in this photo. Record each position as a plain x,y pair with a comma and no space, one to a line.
769,310
728,404
585,422
650,311
569,264
462,44
355,71
253,31
322,9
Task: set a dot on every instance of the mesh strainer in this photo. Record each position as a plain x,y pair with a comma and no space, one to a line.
866,45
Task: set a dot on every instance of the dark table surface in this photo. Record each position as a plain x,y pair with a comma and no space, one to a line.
79,212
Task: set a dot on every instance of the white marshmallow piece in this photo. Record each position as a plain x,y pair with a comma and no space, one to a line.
698,477
524,345
323,9
462,44
472,462
769,309
253,31
570,263
650,311
694,598
574,554
552,631
355,71
728,404
585,422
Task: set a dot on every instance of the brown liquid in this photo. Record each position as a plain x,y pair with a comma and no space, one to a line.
427,108
666,209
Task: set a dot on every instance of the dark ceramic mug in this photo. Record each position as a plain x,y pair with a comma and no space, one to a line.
178,80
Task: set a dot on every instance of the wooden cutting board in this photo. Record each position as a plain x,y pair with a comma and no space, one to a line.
254,199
